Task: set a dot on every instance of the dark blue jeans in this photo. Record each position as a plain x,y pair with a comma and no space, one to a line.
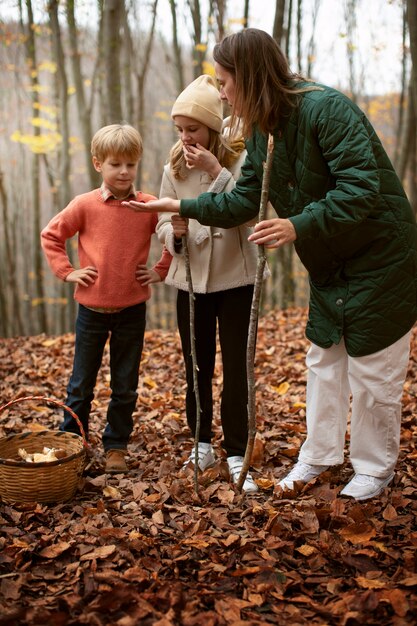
92,329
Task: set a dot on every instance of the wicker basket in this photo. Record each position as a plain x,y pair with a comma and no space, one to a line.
45,482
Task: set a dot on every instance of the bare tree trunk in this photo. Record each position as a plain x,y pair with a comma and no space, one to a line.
199,50
177,49
253,322
283,291
350,19
218,9
406,139
311,54
299,34
37,253
84,112
278,30
113,18
412,29
16,323
141,78
287,42
401,104
64,189
191,299
246,14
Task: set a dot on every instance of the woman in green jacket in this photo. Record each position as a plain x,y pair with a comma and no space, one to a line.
340,201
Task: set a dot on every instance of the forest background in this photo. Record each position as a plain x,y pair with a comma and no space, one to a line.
68,67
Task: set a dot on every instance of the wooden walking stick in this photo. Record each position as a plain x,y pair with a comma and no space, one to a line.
253,321
193,357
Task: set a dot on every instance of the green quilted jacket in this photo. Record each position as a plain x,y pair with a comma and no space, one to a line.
356,232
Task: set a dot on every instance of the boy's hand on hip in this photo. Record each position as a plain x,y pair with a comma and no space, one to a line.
85,276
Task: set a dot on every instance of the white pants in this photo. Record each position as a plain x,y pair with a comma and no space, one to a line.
376,384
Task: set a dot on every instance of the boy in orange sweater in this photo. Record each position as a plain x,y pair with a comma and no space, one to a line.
112,284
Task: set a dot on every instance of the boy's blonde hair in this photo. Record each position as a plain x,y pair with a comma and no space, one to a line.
117,139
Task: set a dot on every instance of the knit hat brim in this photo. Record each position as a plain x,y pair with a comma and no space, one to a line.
201,101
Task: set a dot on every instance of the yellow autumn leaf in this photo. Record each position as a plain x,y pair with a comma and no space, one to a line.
39,122
201,47
48,66
71,91
237,20
48,110
149,382
208,68
49,342
282,388
299,405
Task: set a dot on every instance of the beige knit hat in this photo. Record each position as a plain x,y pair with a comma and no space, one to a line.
201,101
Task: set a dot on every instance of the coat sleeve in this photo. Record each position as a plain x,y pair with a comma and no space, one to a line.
164,229
229,209
344,137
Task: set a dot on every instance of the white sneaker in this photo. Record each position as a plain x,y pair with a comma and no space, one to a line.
206,456
362,486
235,464
302,472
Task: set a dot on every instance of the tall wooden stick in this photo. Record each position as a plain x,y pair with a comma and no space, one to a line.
191,299
253,321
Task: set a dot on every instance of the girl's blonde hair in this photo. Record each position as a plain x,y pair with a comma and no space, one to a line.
226,150
117,139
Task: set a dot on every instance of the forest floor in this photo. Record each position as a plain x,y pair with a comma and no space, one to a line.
144,548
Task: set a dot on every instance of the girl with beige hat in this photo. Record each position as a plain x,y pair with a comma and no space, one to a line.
223,268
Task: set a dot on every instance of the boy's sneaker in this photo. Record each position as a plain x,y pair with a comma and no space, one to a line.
235,464
362,486
115,461
206,457
302,472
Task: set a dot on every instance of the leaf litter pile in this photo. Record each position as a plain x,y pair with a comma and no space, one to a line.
144,548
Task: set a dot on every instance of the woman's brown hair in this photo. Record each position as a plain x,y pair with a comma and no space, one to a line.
264,83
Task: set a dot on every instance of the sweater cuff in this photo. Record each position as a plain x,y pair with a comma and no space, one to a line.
172,246
220,183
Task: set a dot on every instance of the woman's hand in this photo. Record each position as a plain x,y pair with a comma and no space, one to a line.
273,233
85,276
163,205
199,157
179,226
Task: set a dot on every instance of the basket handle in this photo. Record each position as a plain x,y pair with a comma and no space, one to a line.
50,401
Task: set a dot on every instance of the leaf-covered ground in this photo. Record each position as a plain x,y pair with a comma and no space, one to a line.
145,549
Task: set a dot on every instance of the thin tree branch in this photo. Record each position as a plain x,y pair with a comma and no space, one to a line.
191,299
253,322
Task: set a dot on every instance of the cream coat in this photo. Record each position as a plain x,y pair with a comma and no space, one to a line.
220,258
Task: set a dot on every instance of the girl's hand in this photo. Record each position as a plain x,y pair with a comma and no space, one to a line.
273,233
179,226
202,159
163,205
85,276
145,276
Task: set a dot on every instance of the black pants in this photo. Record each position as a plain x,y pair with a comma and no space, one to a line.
231,309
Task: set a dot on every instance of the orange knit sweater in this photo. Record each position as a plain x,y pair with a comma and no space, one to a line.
112,238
